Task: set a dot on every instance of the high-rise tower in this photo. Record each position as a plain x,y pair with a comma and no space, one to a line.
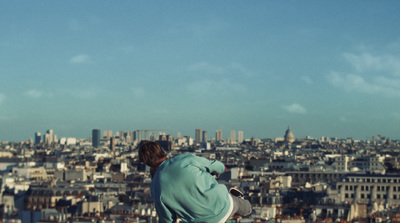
112,143
38,137
198,136
96,138
49,137
218,135
240,136
233,136
204,136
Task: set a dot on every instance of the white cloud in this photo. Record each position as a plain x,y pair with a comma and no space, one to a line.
7,118
295,108
206,67
241,69
34,93
366,62
82,58
389,87
371,75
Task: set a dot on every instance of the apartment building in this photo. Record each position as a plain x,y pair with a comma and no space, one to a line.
370,188
363,163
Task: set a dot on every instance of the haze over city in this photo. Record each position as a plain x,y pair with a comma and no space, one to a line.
324,68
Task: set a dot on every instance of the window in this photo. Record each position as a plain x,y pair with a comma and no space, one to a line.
352,195
366,188
394,196
362,196
378,196
394,188
346,187
362,188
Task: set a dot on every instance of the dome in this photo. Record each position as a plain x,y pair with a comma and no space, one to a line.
289,137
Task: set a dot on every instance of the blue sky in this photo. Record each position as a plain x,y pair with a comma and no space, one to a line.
324,68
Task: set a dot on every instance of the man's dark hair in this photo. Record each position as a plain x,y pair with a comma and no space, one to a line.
150,153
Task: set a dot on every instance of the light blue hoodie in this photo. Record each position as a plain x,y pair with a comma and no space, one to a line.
183,187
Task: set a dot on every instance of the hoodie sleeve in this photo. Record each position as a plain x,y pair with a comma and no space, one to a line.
211,166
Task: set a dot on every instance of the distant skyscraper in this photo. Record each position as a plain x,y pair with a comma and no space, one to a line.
55,139
240,136
49,137
129,137
204,136
38,137
96,138
179,135
107,134
218,135
166,142
233,136
112,143
198,134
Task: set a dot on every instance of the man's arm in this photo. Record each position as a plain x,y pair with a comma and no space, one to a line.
211,166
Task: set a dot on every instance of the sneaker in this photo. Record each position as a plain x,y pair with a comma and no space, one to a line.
237,193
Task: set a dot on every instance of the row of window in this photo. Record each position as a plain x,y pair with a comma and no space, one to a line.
372,180
301,175
367,188
368,196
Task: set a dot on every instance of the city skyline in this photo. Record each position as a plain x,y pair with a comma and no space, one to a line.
323,68
232,136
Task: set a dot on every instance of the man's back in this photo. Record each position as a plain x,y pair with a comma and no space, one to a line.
184,186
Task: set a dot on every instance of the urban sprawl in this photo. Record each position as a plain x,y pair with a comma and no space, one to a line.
286,179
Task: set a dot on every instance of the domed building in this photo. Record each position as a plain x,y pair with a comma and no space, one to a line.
289,137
